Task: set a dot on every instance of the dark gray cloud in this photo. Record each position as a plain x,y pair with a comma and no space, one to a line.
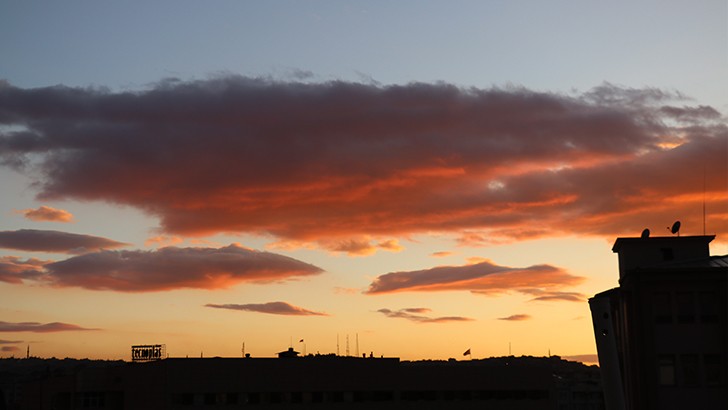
34,240
40,327
558,296
275,308
415,315
516,318
310,161
157,270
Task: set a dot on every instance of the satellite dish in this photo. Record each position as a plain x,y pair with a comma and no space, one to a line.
675,228
645,233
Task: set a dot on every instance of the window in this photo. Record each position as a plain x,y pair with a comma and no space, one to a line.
89,400
275,397
662,307
712,363
685,304
690,370
666,370
253,398
709,307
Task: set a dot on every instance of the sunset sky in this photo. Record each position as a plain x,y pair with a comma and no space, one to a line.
420,178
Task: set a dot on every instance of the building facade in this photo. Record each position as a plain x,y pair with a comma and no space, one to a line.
661,335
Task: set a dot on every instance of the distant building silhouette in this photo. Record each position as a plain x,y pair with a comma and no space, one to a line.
288,353
662,336
311,382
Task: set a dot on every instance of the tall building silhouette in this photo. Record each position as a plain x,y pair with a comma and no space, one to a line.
661,335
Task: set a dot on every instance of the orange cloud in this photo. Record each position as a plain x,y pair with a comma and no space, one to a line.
353,160
275,308
48,214
34,240
414,315
40,327
173,268
361,246
163,240
483,278
441,254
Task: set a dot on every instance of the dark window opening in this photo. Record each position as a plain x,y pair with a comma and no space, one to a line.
685,303
662,307
713,365
690,370
666,370
709,307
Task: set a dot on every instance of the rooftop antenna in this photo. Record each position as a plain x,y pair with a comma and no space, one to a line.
347,345
675,229
357,345
337,344
645,233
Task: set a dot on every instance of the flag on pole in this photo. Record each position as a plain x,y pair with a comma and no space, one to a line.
467,353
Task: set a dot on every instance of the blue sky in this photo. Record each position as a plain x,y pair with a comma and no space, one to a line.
555,46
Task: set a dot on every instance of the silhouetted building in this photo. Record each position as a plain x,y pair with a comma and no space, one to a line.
327,381
661,335
288,353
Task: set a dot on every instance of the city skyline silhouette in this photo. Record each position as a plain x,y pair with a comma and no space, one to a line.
425,179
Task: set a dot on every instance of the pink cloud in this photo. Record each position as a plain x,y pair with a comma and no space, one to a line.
48,214
483,277
174,268
34,240
275,308
353,160
415,315
40,327
9,348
